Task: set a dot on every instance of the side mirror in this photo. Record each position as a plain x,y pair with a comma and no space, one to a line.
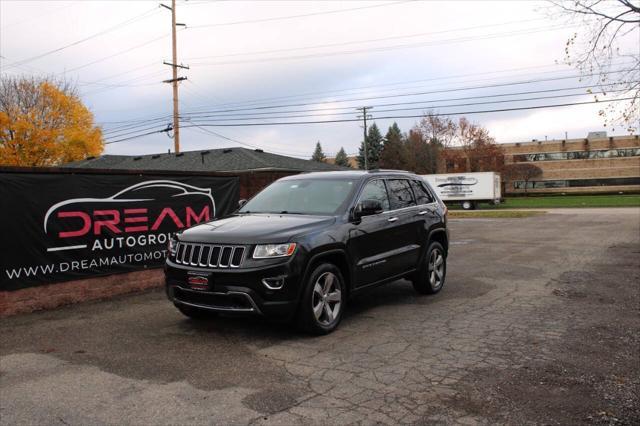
241,203
367,208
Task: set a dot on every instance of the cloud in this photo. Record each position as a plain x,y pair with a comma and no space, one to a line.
472,39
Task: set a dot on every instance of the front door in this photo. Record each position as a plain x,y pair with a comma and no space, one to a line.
368,239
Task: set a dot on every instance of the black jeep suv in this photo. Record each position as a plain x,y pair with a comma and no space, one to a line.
307,243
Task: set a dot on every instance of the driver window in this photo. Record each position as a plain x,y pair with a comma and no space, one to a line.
375,190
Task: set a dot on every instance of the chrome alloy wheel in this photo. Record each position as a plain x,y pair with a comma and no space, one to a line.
435,268
327,298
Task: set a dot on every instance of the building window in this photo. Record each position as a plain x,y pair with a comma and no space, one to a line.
578,155
575,183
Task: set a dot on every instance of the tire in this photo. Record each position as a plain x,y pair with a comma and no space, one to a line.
468,205
323,300
428,280
195,313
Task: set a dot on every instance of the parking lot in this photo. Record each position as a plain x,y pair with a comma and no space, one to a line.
538,322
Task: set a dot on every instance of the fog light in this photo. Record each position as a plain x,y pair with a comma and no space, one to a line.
274,283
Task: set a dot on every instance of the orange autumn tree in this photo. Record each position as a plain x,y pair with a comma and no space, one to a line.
44,123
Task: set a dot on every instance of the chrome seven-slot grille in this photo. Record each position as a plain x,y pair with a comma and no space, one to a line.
209,255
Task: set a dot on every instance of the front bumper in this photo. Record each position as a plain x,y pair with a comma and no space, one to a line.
239,291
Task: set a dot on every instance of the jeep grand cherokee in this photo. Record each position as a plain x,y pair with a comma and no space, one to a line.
307,243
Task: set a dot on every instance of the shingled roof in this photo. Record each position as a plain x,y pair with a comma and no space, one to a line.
212,160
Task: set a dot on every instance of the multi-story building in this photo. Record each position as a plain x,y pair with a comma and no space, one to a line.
594,164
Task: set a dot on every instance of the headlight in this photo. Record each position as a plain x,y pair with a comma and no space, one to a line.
264,251
173,245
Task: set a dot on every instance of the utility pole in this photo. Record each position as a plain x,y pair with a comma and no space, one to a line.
364,118
175,79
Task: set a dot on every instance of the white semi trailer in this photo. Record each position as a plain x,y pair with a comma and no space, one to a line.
467,188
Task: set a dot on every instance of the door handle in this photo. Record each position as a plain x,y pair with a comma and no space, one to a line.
423,212
392,219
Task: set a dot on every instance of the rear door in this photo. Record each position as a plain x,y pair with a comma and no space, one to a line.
408,231
427,210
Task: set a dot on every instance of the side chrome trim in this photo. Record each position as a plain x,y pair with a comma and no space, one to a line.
387,254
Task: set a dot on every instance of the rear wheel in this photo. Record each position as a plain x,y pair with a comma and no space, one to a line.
433,270
468,205
195,313
323,300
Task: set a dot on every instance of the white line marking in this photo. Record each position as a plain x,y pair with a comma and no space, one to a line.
67,248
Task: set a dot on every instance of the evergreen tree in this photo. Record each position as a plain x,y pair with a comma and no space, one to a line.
342,159
394,155
318,154
374,148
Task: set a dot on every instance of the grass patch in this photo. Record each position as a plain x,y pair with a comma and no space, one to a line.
562,201
572,201
457,214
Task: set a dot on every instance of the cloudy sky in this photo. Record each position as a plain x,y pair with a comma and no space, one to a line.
261,62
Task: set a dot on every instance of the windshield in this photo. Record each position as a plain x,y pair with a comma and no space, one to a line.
303,196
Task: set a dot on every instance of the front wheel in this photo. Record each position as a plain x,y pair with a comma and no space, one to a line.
433,270
323,300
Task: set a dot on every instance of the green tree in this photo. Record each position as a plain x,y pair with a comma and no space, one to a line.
393,155
318,154
342,159
418,157
374,148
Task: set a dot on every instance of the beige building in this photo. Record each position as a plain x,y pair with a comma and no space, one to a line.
590,165
594,164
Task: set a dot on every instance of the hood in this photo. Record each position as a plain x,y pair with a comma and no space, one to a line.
255,228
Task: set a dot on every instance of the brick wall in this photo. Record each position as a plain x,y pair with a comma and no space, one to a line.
253,182
54,295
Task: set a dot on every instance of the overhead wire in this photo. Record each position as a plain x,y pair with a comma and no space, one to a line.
82,40
397,95
304,15
415,116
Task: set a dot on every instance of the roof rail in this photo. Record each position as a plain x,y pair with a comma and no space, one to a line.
387,171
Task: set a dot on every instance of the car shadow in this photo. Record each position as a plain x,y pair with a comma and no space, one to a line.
270,331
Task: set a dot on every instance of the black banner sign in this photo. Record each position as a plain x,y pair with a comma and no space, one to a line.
58,227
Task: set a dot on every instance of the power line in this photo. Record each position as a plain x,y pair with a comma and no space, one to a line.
131,124
75,43
428,101
223,119
281,18
414,116
389,117
307,95
254,109
263,52
137,136
368,98
385,48
121,52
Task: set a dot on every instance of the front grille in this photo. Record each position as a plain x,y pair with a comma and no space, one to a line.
209,255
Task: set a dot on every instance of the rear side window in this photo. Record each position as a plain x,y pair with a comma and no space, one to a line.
400,194
375,190
422,194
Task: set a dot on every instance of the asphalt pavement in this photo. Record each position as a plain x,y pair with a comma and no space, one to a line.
537,323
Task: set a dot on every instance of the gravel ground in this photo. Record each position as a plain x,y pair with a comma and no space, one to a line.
538,324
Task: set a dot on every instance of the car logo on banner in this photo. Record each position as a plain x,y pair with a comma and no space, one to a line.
149,207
